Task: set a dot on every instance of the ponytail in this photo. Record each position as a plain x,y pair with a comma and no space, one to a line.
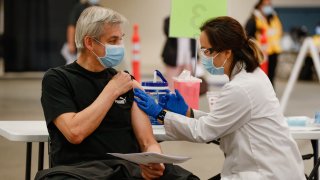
249,54
257,53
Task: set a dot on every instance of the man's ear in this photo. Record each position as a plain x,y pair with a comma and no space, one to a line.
88,43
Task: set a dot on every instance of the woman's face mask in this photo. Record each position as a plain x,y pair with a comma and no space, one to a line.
208,63
267,10
113,57
93,2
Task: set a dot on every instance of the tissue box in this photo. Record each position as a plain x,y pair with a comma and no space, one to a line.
189,88
298,120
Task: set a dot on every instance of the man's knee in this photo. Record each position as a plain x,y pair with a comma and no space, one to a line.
177,173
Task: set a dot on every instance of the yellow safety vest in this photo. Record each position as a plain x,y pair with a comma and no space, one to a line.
274,33
316,41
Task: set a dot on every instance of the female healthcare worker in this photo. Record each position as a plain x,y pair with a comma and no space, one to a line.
246,117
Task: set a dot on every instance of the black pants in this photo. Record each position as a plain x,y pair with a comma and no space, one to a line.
273,61
216,177
111,170
306,72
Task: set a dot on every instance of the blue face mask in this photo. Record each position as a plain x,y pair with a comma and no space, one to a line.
207,62
93,2
318,30
114,55
267,10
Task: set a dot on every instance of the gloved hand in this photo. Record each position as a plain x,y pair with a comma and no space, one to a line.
146,103
174,103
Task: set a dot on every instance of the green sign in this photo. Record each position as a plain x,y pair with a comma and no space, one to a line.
188,15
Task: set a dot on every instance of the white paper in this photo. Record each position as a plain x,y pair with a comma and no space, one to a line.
150,157
186,76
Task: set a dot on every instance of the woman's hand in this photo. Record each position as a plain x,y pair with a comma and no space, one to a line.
174,103
152,170
146,103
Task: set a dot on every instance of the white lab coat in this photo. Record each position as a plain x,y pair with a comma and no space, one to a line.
252,130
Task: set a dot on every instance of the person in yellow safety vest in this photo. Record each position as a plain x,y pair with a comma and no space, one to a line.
316,41
265,19
316,37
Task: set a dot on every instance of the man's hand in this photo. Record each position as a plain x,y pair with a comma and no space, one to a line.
121,83
152,170
174,103
146,103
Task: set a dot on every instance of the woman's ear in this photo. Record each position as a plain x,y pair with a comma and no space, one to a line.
228,53
88,43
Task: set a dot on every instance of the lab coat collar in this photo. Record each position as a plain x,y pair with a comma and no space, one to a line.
237,69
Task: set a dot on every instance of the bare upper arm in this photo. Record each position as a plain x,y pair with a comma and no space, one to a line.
142,127
140,120
136,84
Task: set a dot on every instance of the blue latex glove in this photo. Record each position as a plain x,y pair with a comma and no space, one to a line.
146,103
174,103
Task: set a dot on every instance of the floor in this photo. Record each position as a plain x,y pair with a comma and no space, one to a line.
20,100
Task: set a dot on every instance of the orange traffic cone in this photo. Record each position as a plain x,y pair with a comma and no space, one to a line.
264,46
136,53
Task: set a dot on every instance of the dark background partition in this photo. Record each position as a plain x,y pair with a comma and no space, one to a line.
34,32
299,16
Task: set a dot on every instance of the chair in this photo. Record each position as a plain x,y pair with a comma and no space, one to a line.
316,160
314,173
49,153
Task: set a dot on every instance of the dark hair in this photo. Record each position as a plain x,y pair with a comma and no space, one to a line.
226,33
259,3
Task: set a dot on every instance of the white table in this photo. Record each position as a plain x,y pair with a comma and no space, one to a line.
312,133
36,131
27,131
305,132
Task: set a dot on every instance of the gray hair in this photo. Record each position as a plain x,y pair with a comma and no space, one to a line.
91,23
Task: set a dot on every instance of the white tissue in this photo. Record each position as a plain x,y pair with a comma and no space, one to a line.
186,76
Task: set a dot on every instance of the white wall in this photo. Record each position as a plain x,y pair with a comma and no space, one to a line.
149,14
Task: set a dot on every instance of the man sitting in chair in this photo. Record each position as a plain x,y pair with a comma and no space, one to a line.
89,109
